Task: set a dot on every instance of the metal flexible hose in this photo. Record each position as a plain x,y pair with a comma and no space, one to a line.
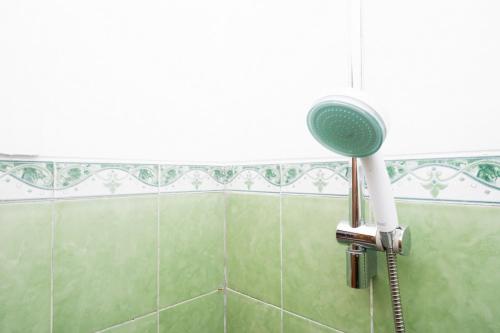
397,308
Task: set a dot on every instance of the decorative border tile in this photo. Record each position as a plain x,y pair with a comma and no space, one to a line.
468,180
98,179
25,180
317,178
253,178
188,178
454,179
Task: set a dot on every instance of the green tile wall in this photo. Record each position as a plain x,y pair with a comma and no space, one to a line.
104,262
204,314
192,246
281,252
253,245
314,265
25,238
246,315
450,281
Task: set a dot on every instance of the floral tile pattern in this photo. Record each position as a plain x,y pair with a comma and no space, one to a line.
316,178
454,179
187,178
26,180
253,178
473,179
96,179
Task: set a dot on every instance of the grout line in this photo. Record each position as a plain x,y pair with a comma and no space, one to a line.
162,193
327,158
255,299
52,241
158,252
355,45
252,192
26,200
398,199
132,194
313,321
225,263
360,45
281,248
328,195
372,324
126,322
351,62
155,312
191,191
52,218
286,311
106,196
189,300
361,50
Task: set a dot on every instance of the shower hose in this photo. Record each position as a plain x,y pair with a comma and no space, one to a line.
397,308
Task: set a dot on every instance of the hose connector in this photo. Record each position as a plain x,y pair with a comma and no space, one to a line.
399,240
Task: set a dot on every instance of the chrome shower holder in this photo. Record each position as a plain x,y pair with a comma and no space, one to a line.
363,240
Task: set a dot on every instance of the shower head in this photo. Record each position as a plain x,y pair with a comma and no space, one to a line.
351,127
347,126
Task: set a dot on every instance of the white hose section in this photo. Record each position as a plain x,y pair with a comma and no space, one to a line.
381,196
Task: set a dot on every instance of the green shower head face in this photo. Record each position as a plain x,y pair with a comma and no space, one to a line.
346,126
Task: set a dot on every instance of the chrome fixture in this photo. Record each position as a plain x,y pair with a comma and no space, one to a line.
364,239
361,260
368,237
349,126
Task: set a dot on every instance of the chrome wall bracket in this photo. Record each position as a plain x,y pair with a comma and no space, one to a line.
367,236
364,240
